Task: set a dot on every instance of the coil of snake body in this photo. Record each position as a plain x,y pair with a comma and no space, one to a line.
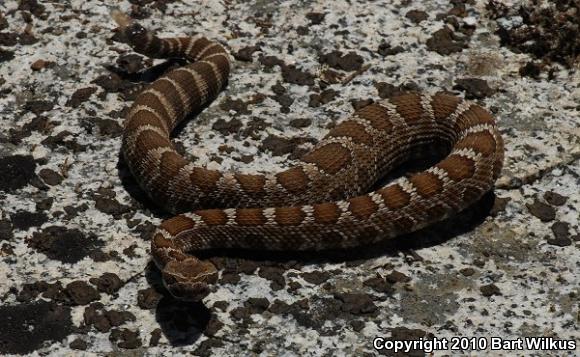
321,203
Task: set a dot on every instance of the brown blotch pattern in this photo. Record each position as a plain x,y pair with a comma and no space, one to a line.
222,63
184,43
457,167
206,72
482,142
171,163
168,90
187,82
362,206
251,183
394,196
294,180
352,130
141,118
289,216
409,107
200,44
331,158
444,105
213,217
377,116
148,140
213,50
160,241
177,224
326,213
152,101
427,184
250,217
204,179
475,115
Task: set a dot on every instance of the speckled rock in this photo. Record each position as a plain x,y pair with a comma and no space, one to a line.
75,229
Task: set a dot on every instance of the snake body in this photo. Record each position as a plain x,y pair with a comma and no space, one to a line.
321,203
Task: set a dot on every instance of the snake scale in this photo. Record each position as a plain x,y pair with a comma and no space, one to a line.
320,203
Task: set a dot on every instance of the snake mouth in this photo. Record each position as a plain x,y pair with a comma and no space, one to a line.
189,279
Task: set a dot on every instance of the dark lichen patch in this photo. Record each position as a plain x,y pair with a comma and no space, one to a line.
81,293
550,33
125,338
324,97
101,127
64,244
502,245
102,320
17,172
427,305
24,220
27,327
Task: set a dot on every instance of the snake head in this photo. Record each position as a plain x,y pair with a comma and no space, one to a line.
188,279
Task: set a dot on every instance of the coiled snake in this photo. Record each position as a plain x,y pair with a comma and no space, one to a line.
322,202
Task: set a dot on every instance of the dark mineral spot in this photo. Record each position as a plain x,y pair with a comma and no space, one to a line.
81,293
316,277
38,106
445,42
417,16
292,75
125,338
50,177
111,206
78,344
6,55
554,198
226,127
107,283
474,88
278,145
561,231
489,290
63,244
315,18
324,97
348,62
245,54
544,212
237,105
356,303
385,49
81,95
26,327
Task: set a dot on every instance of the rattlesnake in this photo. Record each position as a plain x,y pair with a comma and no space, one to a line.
322,202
